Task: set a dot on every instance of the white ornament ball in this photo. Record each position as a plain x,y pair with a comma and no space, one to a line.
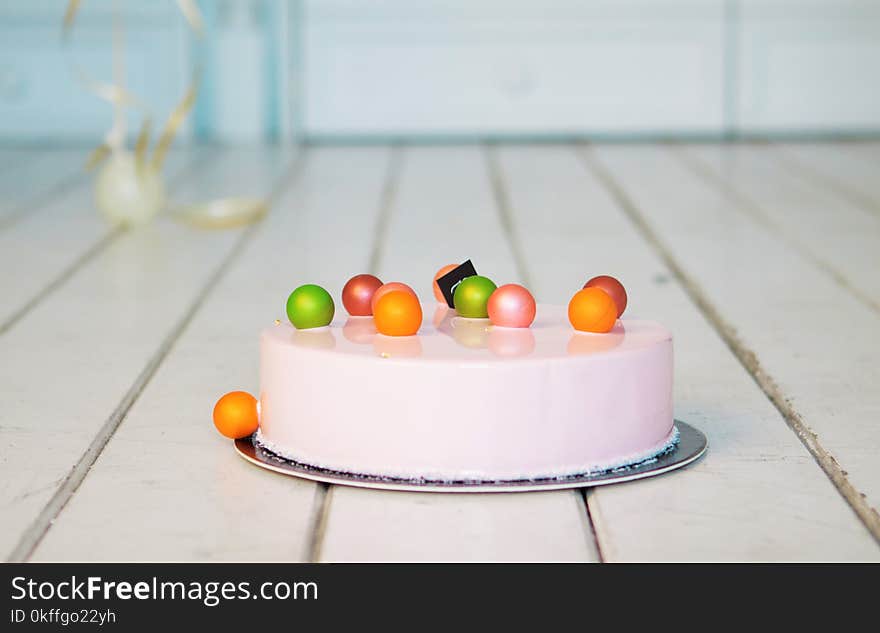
127,194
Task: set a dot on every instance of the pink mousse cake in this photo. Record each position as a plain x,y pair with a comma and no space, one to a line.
464,400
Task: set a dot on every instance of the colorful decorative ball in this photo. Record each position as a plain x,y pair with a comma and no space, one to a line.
236,415
310,306
384,289
613,287
357,294
511,305
592,310
438,295
471,296
398,313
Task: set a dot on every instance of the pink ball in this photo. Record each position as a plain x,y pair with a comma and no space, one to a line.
511,305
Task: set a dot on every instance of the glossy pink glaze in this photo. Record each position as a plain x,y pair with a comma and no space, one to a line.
466,400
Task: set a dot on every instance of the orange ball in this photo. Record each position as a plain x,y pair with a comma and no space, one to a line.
398,313
384,289
235,415
592,310
437,293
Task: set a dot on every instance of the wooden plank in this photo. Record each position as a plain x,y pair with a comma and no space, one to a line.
758,494
373,525
809,345
835,235
444,212
54,243
167,483
10,156
84,354
34,177
867,151
848,169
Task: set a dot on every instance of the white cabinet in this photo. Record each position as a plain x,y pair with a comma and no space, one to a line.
455,69
808,66
516,67
591,67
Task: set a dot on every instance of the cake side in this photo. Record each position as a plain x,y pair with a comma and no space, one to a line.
436,406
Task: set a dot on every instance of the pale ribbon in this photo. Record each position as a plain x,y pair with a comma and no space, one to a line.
221,213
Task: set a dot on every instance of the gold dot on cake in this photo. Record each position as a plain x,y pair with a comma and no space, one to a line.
277,322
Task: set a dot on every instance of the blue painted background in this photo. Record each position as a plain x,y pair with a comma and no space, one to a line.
41,99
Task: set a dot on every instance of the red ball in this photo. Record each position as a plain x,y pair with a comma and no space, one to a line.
357,294
614,289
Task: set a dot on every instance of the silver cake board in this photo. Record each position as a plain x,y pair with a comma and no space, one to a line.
691,445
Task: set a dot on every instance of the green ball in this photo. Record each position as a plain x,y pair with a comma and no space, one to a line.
472,296
310,306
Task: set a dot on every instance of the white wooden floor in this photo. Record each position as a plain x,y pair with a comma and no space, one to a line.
764,261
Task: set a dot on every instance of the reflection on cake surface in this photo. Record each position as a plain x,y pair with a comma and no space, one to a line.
589,343
471,333
511,342
359,330
467,400
397,346
316,338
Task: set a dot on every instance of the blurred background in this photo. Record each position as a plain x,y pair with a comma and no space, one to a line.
342,70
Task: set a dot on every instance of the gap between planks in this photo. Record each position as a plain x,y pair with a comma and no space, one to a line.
586,495
91,253
386,201
747,205
747,357
324,491
34,534
502,206
318,521
808,172
42,200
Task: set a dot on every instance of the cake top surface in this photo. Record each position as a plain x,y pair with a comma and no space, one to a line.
445,335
